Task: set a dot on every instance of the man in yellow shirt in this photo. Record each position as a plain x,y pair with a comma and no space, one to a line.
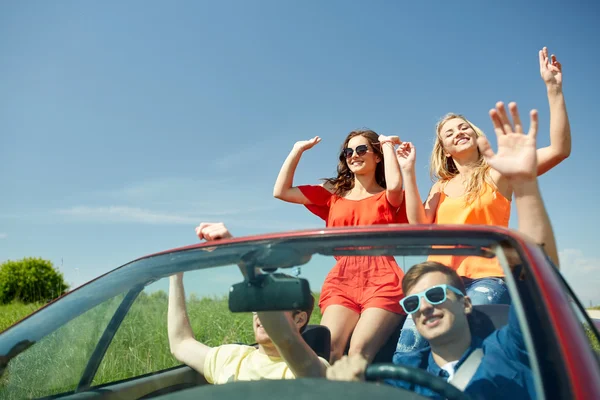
282,353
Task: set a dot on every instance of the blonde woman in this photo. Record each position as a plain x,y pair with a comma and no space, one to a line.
468,190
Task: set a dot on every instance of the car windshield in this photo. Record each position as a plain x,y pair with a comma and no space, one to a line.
114,329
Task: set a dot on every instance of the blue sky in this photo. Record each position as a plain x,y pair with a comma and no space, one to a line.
124,124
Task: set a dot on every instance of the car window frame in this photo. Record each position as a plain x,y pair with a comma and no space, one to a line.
188,259
581,309
97,356
556,376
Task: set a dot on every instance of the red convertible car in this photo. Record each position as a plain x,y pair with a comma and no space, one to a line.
108,338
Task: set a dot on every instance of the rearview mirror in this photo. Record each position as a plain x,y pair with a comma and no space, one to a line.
270,292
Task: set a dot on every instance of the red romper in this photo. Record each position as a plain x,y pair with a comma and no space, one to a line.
359,282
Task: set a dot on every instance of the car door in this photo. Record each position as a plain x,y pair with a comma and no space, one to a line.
119,348
560,332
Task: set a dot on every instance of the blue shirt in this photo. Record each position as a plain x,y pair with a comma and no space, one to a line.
504,372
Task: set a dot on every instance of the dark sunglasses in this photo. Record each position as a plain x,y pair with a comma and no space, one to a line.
360,151
434,295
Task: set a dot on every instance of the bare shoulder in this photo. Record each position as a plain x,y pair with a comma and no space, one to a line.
436,188
433,200
500,183
494,176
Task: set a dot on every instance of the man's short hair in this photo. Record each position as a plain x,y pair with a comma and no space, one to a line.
308,310
417,271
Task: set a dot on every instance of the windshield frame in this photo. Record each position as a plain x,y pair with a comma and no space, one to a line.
146,270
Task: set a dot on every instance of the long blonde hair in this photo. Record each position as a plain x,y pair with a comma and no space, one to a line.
442,168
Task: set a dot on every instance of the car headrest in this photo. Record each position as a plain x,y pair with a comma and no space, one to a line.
318,338
486,318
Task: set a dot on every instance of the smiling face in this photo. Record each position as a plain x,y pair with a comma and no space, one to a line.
442,323
362,164
457,136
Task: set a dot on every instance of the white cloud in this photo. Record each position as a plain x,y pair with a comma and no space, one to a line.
169,187
144,215
194,194
185,201
3,235
582,273
246,207
235,218
125,214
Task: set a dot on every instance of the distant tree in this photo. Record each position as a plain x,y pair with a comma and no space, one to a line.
30,280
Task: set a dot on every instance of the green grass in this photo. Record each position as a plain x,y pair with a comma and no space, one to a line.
11,313
592,338
140,346
54,364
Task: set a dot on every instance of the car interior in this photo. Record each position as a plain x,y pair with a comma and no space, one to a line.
130,280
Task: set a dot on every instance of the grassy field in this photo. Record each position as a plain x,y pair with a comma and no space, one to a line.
140,345
11,313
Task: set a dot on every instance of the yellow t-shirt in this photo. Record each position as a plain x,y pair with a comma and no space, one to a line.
234,362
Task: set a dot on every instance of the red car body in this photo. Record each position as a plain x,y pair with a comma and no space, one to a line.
566,358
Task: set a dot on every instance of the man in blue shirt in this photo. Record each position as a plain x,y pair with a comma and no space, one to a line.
435,294
504,371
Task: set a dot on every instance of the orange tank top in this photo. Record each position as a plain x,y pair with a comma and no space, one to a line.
489,208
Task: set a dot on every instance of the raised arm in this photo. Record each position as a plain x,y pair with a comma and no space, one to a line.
393,176
416,212
284,189
533,218
292,347
560,129
516,160
214,231
184,347
280,326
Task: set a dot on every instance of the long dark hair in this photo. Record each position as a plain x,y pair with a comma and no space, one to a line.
344,181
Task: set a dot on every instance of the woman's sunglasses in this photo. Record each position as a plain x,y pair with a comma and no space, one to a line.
360,151
434,295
